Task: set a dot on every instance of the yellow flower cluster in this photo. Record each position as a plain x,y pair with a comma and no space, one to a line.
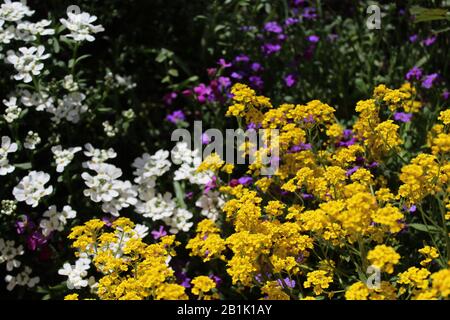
131,269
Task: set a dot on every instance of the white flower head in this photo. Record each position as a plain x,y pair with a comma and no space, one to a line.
81,26
14,10
126,197
103,186
8,254
28,62
63,156
6,147
76,273
32,188
22,279
31,140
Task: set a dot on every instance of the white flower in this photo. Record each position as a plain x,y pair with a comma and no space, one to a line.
32,188
210,203
54,220
8,207
31,140
38,28
6,35
189,160
81,27
12,111
14,11
27,63
7,147
141,231
70,108
8,254
63,156
127,196
76,273
103,186
157,208
97,155
69,84
22,279
41,100
179,221
109,129
148,166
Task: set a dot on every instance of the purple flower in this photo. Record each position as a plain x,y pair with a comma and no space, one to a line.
224,82
413,208
427,83
373,165
309,13
290,80
170,97
402,116
216,279
309,119
286,283
270,48
429,41
307,196
415,72
445,94
184,279
273,26
290,21
413,38
245,180
352,171
236,75
159,233
300,147
36,240
256,67
205,139
242,58
313,38
203,92
210,185
256,81
176,116
223,63
108,221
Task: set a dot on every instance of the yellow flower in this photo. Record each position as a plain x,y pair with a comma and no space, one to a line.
73,296
384,258
319,280
430,253
202,284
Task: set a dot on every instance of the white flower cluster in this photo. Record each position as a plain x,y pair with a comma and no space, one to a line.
104,186
12,111
22,279
32,188
54,220
81,26
6,147
63,156
9,252
77,273
27,62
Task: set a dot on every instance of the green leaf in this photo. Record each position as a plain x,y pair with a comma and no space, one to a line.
424,227
23,166
425,14
179,193
173,72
